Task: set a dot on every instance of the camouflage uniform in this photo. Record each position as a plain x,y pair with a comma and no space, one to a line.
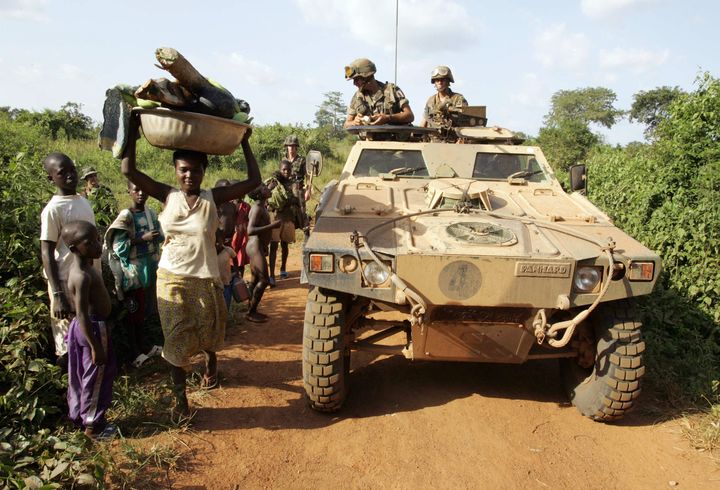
104,206
389,99
298,184
436,108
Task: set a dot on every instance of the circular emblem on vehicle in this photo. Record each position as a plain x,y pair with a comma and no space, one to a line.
478,232
459,280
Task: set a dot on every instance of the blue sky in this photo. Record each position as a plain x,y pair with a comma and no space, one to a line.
281,56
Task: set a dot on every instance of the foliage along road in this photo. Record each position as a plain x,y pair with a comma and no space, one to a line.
412,424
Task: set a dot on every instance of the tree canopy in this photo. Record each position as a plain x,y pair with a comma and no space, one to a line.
651,106
69,121
331,113
584,105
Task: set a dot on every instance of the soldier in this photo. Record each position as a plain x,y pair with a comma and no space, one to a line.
436,107
101,198
298,176
375,103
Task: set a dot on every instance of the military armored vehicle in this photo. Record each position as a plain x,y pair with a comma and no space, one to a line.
471,252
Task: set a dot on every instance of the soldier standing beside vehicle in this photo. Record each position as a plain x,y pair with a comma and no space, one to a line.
375,103
438,105
298,176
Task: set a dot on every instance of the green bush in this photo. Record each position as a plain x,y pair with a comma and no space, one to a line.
33,390
665,195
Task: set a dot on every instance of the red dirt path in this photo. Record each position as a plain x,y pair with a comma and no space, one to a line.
412,424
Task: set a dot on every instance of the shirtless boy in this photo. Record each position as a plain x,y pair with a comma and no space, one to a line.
91,361
259,231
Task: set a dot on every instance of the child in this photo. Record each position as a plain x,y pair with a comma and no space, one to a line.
65,206
227,215
225,260
240,237
133,242
259,231
91,361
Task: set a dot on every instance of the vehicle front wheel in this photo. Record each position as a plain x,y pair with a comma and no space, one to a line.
608,389
326,350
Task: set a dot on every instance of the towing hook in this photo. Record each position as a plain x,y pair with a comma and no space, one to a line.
540,326
610,245
355,238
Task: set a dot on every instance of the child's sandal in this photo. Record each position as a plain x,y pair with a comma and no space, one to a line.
140,360
155,351
209,382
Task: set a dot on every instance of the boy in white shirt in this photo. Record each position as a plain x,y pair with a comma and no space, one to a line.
64,206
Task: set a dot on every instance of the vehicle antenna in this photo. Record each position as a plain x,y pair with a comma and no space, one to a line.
397,4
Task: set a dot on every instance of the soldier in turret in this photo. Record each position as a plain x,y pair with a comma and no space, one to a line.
375,103
437,107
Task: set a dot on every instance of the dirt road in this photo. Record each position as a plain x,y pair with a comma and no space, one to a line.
413,424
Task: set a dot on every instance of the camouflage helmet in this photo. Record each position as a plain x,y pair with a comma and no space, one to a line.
291,140
361,67
87,172
440,72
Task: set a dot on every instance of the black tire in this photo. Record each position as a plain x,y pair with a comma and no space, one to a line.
609,389
326,350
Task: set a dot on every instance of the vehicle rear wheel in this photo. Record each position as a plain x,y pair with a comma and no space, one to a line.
608,389
326,350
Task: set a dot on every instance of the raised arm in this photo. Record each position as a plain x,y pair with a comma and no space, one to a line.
150,186
236,191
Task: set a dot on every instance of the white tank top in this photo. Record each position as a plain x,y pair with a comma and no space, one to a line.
189,247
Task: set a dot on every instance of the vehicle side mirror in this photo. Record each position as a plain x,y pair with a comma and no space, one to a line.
578,179
313,163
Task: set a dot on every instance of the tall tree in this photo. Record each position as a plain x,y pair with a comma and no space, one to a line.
331,113
566,143
74,122
584,105
651,106
566,137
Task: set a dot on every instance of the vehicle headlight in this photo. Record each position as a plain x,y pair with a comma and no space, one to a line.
375,274
587,278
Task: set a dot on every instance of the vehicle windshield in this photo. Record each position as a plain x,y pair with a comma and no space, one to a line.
406,163
499,166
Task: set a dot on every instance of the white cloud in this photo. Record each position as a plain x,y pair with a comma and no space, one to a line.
424,26
28,73
71,72
556,47
636,60
532,92
252,71
606,8
33,10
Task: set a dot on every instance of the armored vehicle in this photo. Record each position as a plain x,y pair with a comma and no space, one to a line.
471,252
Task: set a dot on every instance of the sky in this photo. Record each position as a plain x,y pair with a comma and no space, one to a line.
282,56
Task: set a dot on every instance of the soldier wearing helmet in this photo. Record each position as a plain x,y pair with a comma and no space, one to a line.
438,105
375,102
298,177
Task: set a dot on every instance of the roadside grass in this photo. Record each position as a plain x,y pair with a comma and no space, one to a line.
148,447
703,430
